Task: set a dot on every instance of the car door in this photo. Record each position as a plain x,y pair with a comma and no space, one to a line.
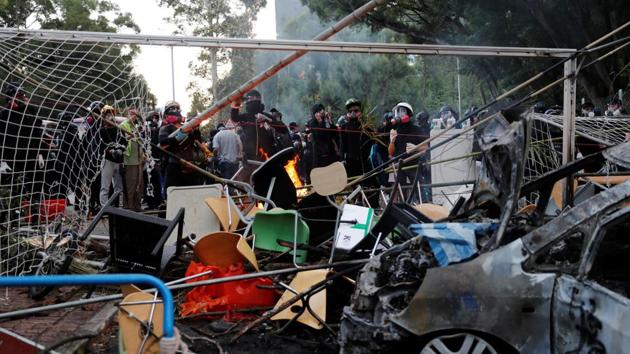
591,311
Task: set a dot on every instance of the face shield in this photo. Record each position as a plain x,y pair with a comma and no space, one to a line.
400,112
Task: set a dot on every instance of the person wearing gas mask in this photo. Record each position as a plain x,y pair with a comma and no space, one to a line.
448,117
355,141
403,137
256,124
323,135
588,109
114,146
615,108
184,145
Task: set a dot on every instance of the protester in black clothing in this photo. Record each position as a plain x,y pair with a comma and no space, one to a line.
91,146
615,108
282,139
256,124
379,154
355,139
403,137
183,145
423,123
155,175
323,137
20,131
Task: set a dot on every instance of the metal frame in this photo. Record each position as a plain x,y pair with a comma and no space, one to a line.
289,45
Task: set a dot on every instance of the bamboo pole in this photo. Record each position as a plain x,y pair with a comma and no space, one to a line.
271,71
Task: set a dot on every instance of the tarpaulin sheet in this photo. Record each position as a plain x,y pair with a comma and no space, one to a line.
450,242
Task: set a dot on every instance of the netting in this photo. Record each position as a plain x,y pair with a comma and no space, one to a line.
51,145
592,134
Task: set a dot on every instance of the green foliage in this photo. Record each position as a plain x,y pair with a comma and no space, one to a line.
216,18
379,81
70,72
532,23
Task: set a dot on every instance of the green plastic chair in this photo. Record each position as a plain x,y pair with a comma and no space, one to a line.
284,225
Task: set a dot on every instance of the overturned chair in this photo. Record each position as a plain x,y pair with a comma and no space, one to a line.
138,242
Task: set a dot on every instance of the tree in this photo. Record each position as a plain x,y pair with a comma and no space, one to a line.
216,18
533,23
380,81
94,71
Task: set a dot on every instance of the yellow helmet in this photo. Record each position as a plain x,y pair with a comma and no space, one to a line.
108,109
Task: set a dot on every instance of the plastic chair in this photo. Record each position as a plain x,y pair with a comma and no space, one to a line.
275,225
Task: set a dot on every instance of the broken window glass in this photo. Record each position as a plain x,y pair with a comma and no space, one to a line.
563,255
611,268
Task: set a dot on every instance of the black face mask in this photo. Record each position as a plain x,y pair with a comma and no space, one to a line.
254,107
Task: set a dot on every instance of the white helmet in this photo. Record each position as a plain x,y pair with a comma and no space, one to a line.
406,105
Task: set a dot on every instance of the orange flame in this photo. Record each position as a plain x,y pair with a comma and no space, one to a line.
262,153
291,168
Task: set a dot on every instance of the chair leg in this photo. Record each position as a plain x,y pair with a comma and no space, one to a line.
295,227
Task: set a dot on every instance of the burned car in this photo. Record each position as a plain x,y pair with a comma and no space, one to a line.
520,287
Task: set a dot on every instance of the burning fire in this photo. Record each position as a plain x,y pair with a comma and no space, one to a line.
263,154
291,168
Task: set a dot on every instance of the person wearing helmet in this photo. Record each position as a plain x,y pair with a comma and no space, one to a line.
448,117
615,108
355,139
113,149
256,125
323,138
403,137
185,146
133,161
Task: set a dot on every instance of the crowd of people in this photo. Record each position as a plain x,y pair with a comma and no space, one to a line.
141,156
322,140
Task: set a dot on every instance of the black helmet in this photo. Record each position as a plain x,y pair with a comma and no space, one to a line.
445,109
351,102
253,95
11,88
96,106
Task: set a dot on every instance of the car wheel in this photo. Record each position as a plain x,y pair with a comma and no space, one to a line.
461,343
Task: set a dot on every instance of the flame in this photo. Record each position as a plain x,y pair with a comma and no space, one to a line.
291,168
262,153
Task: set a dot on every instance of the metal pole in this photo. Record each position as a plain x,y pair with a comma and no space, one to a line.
173,73
286,44
260,78
459,90
62,305
568,125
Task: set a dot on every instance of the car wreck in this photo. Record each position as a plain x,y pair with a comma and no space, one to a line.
532,281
